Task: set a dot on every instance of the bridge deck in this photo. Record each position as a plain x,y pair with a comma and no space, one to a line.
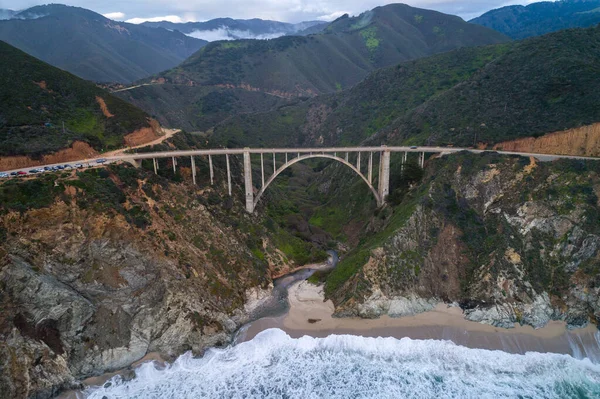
240,151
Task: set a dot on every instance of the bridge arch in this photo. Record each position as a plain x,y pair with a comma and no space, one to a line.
310,156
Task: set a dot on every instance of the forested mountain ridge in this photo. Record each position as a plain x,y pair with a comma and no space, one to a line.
93,47
464,97
540,18
338,58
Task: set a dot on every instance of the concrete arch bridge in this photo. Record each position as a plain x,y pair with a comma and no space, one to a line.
361,160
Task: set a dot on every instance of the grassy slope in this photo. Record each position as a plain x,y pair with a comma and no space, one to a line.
541,85
25,108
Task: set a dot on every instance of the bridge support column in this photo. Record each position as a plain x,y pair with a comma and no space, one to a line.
286,160
384,175
174,165
274,164
212,175
262,169
422,160
248,182
228,174
193,169
155,166
370,177
404,160
358,162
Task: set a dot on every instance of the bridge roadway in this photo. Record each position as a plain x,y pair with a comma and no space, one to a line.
291,151
294,155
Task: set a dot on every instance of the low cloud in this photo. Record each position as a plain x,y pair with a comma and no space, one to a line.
169,18
224,33
114,15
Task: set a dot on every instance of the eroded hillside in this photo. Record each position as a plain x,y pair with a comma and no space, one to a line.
100,267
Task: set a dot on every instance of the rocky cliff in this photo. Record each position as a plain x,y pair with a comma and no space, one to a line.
507,238
99,268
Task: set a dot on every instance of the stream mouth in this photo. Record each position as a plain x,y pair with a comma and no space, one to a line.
277,304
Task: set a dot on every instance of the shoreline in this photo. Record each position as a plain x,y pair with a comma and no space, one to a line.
310,315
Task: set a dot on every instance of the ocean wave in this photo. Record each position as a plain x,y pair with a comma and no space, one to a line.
274,365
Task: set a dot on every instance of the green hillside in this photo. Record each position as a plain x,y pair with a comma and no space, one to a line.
338,58
488,94
93,47
540,18
541,85
196,108
36,98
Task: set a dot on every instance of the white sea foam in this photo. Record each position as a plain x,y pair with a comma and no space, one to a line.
273,365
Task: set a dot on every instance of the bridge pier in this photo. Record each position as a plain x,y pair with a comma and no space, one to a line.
174,165
248,182
422,160
193,169
370,177
262,168
384,175
228,174
155,166
211,169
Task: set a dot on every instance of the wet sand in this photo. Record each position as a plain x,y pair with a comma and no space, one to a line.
310,315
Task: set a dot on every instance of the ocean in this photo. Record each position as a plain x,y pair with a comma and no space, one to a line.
274,365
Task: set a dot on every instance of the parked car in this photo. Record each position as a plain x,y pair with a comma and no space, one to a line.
3,175
14,173
59,167
34,171
21,173
101,160
414,147
78,165
47,168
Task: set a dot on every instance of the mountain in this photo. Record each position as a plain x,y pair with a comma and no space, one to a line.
6,14
465,97
338,58
231,29
537,19
94,47
36,99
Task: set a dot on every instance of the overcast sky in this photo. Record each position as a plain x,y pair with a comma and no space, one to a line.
281,10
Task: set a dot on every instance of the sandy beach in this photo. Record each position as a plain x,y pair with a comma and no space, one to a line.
310,315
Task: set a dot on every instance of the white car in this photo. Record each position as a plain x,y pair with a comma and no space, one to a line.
3,175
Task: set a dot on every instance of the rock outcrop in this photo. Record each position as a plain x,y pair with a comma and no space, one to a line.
511,239
102,268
